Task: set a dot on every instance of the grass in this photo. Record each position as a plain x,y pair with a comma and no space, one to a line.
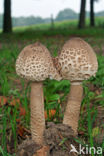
13,121
61,24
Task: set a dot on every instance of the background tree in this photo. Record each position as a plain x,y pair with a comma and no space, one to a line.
7,21
92,16
52,22
82,14
66,14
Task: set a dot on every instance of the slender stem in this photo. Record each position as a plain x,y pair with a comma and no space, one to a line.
37,112
72,112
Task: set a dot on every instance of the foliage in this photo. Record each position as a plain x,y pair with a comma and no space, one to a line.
66,14
22,21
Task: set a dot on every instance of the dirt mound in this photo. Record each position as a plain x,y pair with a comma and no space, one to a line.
57,137
27,148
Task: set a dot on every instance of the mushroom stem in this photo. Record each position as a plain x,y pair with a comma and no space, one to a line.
37,112
72,111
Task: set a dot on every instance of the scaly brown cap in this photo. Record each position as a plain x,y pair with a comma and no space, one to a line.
35,63
77,60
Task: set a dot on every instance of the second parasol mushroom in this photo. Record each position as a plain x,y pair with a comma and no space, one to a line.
77,62
35,64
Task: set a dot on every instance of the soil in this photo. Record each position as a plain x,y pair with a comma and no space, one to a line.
58,137
27,148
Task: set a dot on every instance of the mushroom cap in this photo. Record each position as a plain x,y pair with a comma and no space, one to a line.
77,61
34,63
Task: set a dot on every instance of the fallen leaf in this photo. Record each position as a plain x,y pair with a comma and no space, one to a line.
51,113
20,130
22,111
3,100
9,100
14,102
8,149
18,120
98,92
81,133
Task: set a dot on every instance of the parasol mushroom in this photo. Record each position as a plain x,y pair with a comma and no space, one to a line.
76,62
35,64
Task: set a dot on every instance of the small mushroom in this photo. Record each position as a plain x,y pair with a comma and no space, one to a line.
77,62
35,64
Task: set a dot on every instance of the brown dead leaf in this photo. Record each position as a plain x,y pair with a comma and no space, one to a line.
81,133
20,130
14,102
98,92
22,111
3,100
10,100
51,113
8,149
18,120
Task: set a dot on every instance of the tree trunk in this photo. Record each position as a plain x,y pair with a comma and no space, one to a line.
7,21
92,21
82,14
